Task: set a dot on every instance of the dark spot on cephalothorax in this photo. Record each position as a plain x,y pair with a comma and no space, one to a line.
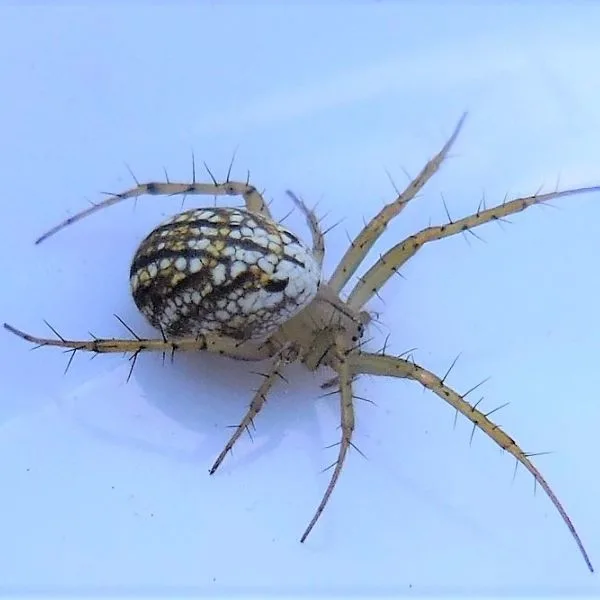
277,285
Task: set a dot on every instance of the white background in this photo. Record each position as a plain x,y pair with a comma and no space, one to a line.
105,484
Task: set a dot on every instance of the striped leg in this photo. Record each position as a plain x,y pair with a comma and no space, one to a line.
318,238
375,278
260,397
217,345
377,364
364,241
347,426
252,198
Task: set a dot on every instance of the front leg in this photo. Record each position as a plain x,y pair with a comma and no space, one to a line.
390,262
364,241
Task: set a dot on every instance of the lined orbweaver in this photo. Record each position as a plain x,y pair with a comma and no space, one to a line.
237,283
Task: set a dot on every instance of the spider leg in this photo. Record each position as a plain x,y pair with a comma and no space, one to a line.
318,238
395,257
258,401
364,241
218,345
347,427
376,364
252,198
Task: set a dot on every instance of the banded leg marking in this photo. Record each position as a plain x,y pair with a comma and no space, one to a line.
377,364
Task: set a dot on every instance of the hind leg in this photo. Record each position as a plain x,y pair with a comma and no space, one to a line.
252,198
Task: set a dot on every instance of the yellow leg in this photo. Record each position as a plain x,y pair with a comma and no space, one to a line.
364,241
377,364
252,198
318,238
347,427
228,347
375,278
260,397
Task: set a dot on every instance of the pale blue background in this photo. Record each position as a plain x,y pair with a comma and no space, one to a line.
105,484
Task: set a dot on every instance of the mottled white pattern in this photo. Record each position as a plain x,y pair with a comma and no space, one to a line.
244,275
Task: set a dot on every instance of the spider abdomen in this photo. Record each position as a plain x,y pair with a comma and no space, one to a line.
225,271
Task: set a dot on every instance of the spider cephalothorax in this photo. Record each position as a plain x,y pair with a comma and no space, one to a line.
235,282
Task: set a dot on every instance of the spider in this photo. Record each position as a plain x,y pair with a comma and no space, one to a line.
235,282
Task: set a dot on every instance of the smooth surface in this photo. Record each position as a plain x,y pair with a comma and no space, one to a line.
105,483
